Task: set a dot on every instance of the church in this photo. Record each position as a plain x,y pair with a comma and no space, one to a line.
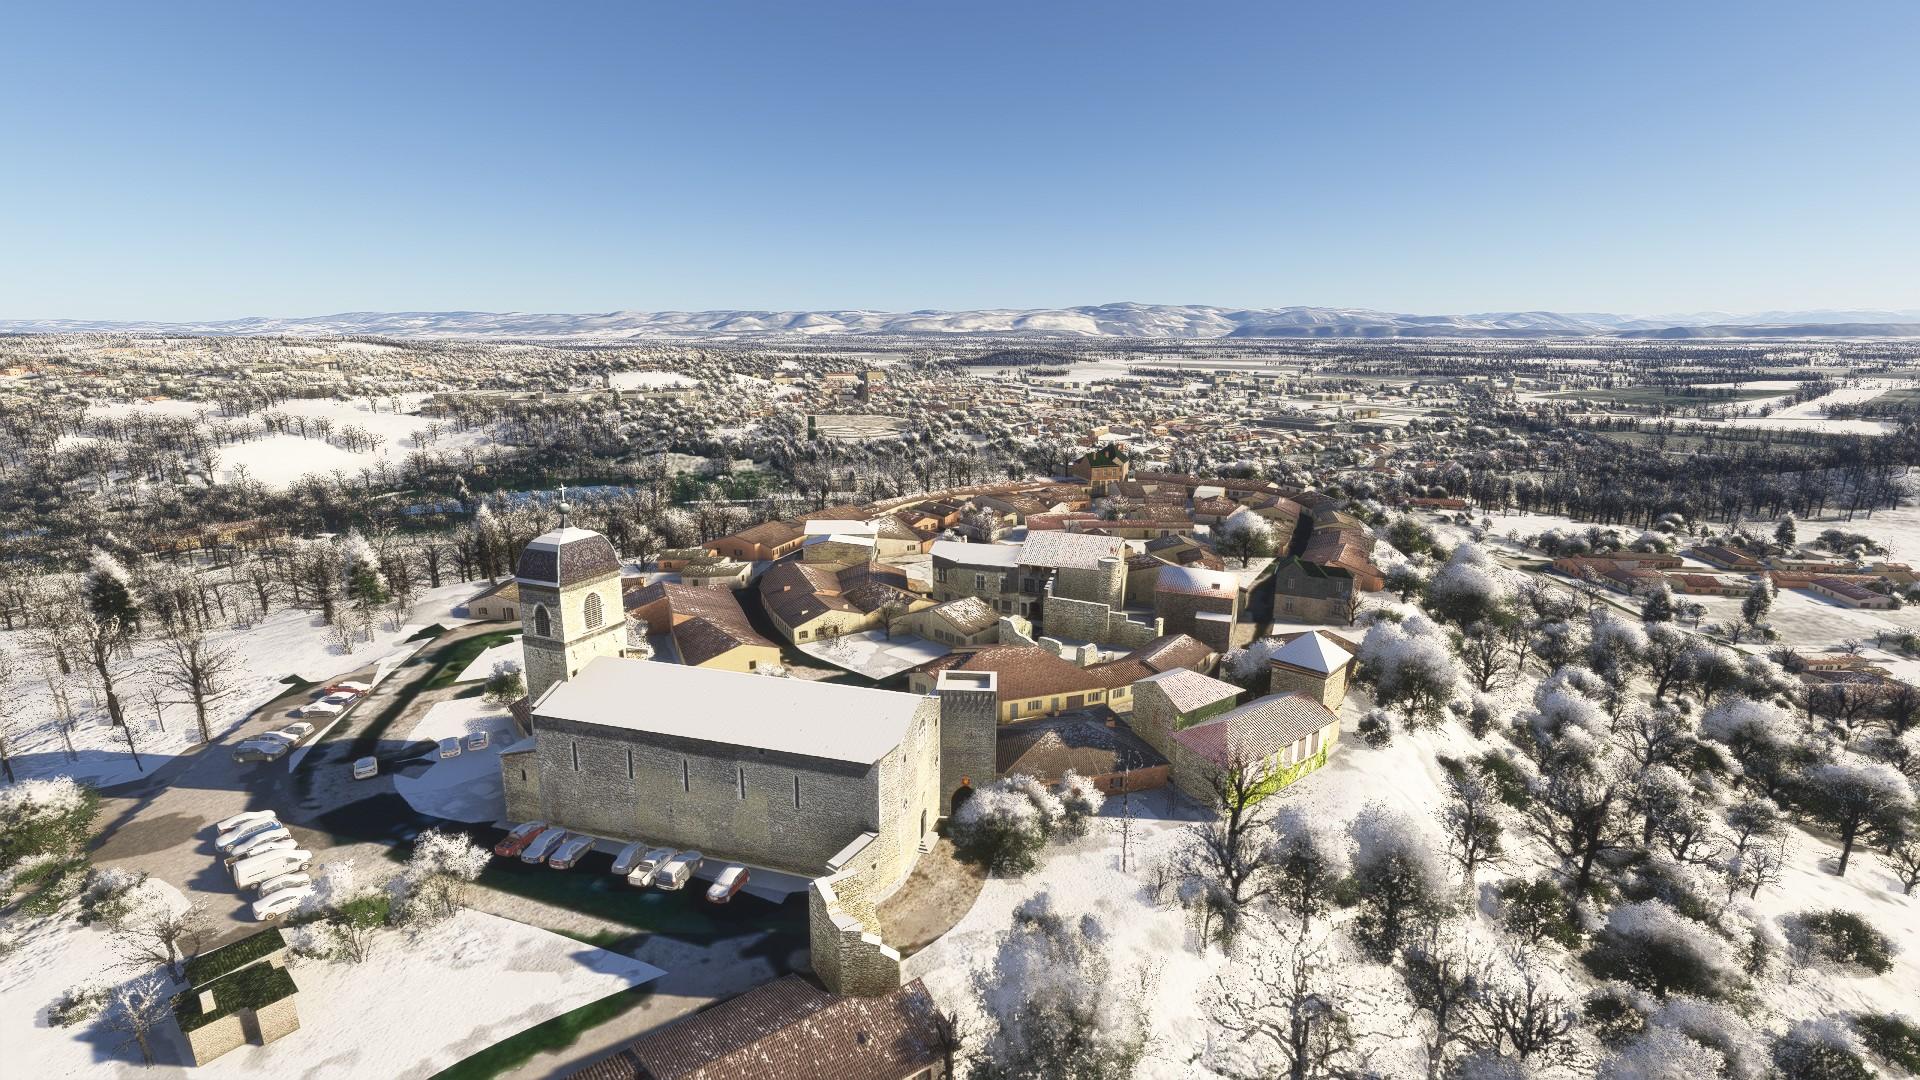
838,784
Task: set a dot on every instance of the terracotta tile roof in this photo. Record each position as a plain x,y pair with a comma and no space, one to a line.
768,534
1257,729
1171,651
968,615
1188,690
705,623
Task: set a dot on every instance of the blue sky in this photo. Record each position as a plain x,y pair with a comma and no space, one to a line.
206,160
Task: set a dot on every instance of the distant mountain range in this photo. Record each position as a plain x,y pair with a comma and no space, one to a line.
1161,321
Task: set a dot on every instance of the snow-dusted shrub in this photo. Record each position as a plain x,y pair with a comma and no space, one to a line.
1398,876
1006,823
1718,1028
1661,1054
1839,937
1054,1004
41,819
1655,948
1080,801
1375,727
1617,1012
434,884
77,1003
1819,1050
108,896
1535,910
1891,1038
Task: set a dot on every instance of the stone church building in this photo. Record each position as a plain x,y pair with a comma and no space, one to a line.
836,783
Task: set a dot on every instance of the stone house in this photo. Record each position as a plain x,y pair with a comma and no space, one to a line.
501,603
1034,680
1202,603
1278,738
1307,592
1317,664
1167,701
1107,753
1849,594
237,994
708,626
808,602
1104,465
966,623
763,542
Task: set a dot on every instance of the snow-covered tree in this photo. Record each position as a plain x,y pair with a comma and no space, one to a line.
1410,663
1244,535
1471,587
1054,1002
1397,875
434,884
1005,824
1855,797
1655,948
1308,860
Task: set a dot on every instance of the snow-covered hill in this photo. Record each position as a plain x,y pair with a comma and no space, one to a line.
1101,320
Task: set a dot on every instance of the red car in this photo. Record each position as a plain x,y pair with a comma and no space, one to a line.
516,841
730,881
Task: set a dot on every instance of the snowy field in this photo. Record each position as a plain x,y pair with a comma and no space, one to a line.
1810,415
286,642
408,1011
651,380
873,654
464,788
279,460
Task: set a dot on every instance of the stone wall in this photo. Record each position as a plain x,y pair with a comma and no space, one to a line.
969,721
277,1020
561,655
209,1041
520,776
1090,621
1328,690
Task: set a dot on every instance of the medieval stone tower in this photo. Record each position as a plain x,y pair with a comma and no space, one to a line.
570,606
1314,664
969,726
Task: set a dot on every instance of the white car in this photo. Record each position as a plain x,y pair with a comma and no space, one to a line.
366,768
297,731
343,699
284,881
478,740
284,902
321,708
226,840
643,871
257,843
248,873
237,820
449,747
677,871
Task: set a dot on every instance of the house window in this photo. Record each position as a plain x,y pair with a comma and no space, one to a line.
576,757
1316,741
542,623
753,665
803,634
593,613
980,582
686,776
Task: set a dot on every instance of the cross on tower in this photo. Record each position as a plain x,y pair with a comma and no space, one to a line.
563,506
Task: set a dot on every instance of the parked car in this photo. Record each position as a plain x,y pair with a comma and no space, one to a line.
250,872
284,881
237,820
265,847
643,871
257,843
284,902
519,837
297,731
319,708
730,881
542,846
478,740
624,861
449,747
342,698
259,750
675,872
349,686
366,768
226,840
566,855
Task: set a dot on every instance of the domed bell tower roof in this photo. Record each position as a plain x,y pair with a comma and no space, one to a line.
566,556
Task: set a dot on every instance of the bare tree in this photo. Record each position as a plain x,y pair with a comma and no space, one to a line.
1518,1011
1472,819
1227,858
1282,1011
11,720
151,933
137,1009
200,669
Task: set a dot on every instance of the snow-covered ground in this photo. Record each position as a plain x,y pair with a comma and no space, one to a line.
873,654
279,460
1811,415
410,1010
651,380
464,788
286,642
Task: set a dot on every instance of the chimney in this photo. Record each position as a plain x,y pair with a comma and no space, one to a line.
206,1001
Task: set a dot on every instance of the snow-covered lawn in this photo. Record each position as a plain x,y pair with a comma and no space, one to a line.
1811,415
651,380
1812,623
417,1005
286,642
464,788
873,654
279,460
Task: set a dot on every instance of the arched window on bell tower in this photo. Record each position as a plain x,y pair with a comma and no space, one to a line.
542,624
593,611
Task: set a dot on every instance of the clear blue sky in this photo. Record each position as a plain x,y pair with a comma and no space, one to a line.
207,160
